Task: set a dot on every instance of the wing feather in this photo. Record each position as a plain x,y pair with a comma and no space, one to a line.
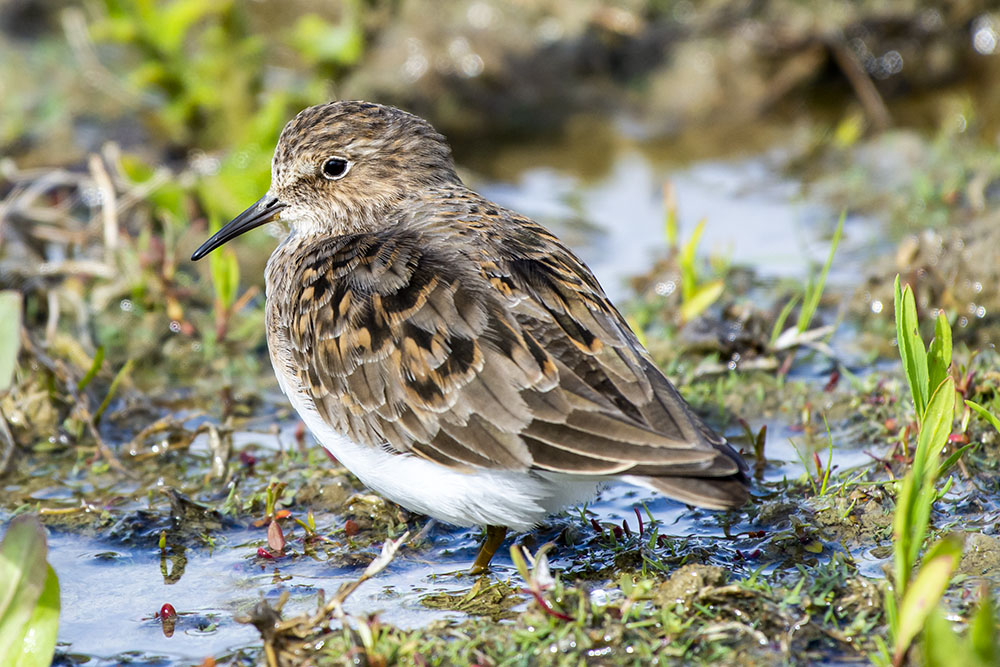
508,357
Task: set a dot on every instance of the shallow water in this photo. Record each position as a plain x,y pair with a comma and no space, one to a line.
614,219
754,216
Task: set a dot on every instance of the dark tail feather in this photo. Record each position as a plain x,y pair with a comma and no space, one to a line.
715,493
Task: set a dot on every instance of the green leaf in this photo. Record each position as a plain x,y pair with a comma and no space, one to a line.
933,437
934,432
982,632
39,642
985,414
917,494
902,534
176,20
892,610
670,222
939,352
952,460
911,347
923,595
702,298
10,336
321,42
27,633
849,130
225,269
689,271
940,646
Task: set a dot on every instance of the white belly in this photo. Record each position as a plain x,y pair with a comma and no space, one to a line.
518,500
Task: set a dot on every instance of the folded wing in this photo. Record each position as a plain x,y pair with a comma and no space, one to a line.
512,358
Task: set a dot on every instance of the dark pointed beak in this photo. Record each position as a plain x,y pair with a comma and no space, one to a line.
262,211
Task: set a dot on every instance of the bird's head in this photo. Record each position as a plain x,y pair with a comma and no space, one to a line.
339,167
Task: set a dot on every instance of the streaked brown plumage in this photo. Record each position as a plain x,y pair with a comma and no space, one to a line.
409,319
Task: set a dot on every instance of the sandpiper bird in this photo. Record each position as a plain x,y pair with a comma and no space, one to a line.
453,354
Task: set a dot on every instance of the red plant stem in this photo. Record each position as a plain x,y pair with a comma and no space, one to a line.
545,605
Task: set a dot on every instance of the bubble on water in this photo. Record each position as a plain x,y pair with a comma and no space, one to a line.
876,306
599,597
977,287
981,312
125,305
549,30
734,361
984,35
665,288
963,321
480,15
471,65
415,67
91,196
203,163
175,326
889,64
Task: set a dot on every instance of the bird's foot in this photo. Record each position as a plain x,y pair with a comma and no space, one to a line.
494,538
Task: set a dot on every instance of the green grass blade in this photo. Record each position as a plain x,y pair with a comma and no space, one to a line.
779,324
815,291
113,389
94,369
670,222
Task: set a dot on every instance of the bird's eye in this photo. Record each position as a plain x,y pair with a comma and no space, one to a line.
336,168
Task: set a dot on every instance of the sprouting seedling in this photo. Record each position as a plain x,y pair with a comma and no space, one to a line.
534,570
915,592
812,293
696,296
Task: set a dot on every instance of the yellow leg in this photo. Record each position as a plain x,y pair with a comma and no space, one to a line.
494,538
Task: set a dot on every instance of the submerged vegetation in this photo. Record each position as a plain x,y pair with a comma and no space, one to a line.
140,422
